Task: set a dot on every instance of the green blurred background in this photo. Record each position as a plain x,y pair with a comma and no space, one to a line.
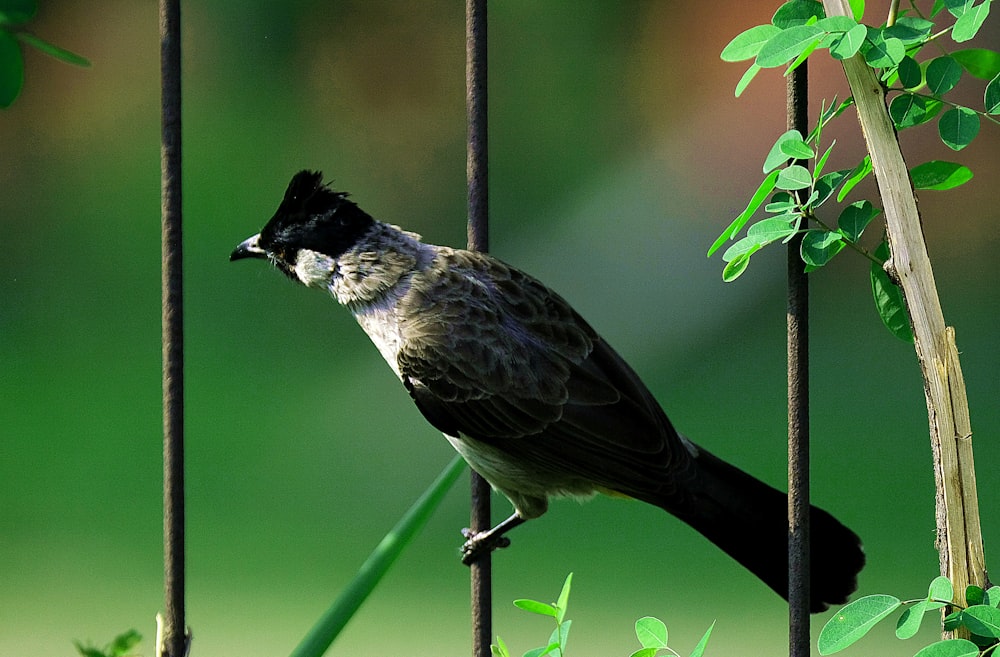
617,154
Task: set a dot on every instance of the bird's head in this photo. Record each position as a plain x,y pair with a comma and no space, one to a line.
312,227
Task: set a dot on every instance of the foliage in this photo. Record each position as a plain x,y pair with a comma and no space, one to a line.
651,632
121,646
796,182
13,14
980,616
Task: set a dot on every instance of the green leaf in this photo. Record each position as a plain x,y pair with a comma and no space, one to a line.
906,34
123,643
788,44
88,651
974,595
11,69
748,43
803,56
979,62
797,12
651,632
536,607
699,649
776,156
939,175
859,173
882,52
909,620
968,24
855,218
782,207
908,110
563,602
836,24
911,29
857,9
748,244
793,177
943,73
982,620
949,648
889,299
781,202
958,127
853,621
766,231
543,651
993,596
735,267
560,635
499,649
15,12
645,652
830,113
796,149
957,7
826,184
821,162
991,99
820,246
848,45
911,75
53,50
759,196
952,621
941,589
744,82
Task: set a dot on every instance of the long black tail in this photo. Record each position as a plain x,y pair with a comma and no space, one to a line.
749,520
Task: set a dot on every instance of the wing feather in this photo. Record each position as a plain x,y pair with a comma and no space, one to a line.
492,354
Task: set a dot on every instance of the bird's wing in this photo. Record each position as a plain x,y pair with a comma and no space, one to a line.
491,353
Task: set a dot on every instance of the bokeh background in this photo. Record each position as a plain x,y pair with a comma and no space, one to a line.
617,154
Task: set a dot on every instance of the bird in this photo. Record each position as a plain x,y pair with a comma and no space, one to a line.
529,394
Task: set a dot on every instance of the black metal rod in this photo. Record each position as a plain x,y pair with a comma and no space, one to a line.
476,111
798,406
173,631
478,230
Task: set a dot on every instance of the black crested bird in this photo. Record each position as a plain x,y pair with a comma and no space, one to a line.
529,394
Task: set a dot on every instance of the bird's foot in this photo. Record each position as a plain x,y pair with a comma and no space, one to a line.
478,544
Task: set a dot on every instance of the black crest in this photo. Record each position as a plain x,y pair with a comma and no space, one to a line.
313,216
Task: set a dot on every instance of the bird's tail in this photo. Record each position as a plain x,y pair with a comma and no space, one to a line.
748,520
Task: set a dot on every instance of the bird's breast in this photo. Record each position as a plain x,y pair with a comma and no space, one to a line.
379,321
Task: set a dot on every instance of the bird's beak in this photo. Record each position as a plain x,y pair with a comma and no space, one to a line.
248,249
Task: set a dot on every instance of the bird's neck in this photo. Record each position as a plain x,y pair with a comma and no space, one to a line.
373,272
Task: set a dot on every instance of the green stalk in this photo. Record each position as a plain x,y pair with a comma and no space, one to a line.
323,633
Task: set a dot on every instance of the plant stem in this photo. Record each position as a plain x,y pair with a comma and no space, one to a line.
959,537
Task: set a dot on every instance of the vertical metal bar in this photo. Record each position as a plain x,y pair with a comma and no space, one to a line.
476,111
173,631
798,406
478,230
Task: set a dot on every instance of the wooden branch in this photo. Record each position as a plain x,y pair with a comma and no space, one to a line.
959,537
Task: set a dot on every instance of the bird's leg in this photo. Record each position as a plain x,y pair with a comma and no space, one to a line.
484,542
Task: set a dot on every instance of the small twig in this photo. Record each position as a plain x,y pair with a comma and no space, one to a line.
893,11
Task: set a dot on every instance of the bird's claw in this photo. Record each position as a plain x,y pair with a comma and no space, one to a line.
479,543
